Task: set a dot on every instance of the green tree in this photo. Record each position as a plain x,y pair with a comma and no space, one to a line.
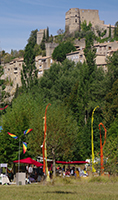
112,74
16,120
85,95
61,133
110,30
84,138
7,58
116,30
47,34
88,94
42,45
33,37
21,53
111,105
14,53
29,72
111,148
90,51
58,81
86,27
27,111
61,50
37,50
51,38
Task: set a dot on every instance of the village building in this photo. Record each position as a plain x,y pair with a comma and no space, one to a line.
73,19
42,64
103,50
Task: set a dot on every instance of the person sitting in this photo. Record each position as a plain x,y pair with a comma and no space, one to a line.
77,173
33,178
72,171
67,173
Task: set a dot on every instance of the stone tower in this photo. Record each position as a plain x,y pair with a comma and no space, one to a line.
40,35
72,20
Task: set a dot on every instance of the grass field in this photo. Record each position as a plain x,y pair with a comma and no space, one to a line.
62,189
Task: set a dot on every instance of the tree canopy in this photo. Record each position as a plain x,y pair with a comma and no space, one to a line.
61,50
29,71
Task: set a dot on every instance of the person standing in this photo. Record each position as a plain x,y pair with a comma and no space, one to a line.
30,170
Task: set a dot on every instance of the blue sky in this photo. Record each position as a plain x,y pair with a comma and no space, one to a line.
19,17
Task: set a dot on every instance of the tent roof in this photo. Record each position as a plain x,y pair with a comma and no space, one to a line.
71,162
29,161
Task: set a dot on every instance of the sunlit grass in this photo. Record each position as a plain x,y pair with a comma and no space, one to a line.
102,188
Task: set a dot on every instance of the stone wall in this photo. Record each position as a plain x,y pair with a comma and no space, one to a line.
90,16
50,48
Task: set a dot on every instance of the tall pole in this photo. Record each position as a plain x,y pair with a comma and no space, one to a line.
45,166
24,146
101,148
92,144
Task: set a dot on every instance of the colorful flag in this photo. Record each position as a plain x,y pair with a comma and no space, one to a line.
93,156
12,135
24,147
27,131
4,107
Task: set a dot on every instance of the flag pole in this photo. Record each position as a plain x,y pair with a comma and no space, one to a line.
101,149
45,168
92,144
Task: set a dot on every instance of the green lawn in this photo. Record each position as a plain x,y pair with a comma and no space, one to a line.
62,189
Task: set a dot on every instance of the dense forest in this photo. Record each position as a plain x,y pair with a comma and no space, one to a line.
73,90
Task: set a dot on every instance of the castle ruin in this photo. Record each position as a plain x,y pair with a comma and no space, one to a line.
75,16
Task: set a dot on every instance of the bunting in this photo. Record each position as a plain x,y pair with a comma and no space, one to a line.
12,135
24,147
24,143
4,108
27,131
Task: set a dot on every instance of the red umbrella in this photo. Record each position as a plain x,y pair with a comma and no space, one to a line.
29,161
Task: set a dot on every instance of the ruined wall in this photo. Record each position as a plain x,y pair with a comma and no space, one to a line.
90,16
75,16
50,48
103,27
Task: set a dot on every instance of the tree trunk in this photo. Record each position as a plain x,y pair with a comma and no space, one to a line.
54,171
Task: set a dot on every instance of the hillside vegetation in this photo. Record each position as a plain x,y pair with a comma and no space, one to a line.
73,90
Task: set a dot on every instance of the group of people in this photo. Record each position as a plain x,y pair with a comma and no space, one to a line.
71,171
33,174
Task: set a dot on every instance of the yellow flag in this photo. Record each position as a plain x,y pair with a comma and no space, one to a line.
92,144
